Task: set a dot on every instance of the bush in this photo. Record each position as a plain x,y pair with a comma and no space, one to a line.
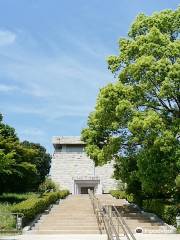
48,185
177,181
122,195
63,194
118,194
7,221
33,206
165,211
16,197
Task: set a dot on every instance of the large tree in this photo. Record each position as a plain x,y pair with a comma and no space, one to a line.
136,119
23,166
42,159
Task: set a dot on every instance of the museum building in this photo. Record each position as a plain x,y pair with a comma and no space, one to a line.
72,169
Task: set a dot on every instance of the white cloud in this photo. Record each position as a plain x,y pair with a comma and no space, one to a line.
62,85
7,37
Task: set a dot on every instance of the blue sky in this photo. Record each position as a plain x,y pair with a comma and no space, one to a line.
53,60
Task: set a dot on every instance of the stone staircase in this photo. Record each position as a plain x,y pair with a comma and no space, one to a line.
72,216
134,217
75,215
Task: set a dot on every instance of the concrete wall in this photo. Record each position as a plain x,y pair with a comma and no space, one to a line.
66,167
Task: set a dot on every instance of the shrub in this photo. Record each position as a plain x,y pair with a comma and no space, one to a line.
7,221
122,195
33,206
177,181
48,185
16,197
165,211
118,194
63,194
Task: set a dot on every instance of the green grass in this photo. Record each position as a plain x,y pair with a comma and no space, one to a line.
7,221
14,198
7,201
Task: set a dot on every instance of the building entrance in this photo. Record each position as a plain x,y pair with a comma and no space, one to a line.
84,190
81,185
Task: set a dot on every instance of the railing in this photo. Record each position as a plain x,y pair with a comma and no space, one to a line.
121,222
11,222
110,220
103,218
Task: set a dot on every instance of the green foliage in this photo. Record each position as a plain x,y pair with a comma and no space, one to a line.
7,201
12,198
42,160
118,194
23,166
63,193
33,206
48,185
123,195
164,210
178,181
136,119
7,221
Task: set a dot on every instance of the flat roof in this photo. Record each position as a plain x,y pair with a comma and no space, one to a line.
67,140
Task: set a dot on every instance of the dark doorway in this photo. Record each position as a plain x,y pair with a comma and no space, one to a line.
84,190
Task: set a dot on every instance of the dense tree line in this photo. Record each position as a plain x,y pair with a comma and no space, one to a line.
23,165
136,121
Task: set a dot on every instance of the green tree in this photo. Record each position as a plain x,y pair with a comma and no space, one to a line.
42,159
23,166
136,119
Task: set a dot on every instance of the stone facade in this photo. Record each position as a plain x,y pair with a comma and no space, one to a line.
72,169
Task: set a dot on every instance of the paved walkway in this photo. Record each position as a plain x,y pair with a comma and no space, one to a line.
91,237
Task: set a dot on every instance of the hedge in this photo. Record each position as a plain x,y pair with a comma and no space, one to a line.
122,195
167,212
33,206
14,198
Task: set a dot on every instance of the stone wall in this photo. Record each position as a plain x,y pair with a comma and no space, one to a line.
68,166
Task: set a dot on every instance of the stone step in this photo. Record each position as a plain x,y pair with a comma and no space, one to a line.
67,222
65,226
83,216
73,215
65,232
80,221
70,216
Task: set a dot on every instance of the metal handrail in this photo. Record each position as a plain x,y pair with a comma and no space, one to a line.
119,223
127,231
104,216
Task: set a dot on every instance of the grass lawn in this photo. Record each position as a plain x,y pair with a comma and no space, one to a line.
7,200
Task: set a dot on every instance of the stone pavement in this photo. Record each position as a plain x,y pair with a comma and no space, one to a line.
56,237
91,237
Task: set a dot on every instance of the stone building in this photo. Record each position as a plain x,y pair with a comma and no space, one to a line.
71,168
